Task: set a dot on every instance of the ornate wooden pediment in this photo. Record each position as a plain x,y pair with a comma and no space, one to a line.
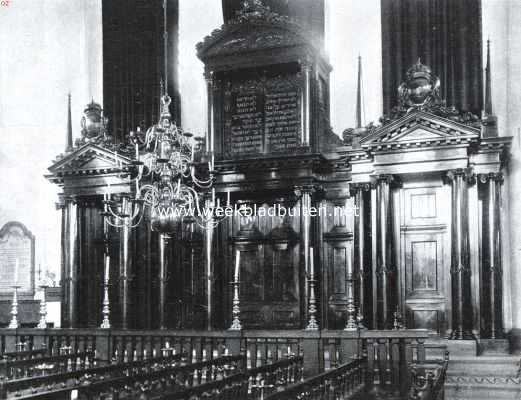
254,29
242,38
419,129
88,160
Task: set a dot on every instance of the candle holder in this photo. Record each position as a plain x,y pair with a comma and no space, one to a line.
312,310
43,308
351,321
14,309
105,311
236,310
360,319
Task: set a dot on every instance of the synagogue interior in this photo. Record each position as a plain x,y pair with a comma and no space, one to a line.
260,199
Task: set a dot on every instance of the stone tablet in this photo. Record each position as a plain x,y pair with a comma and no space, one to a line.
16,243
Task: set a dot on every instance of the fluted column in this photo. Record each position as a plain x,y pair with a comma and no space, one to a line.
163,278
305,193
209,266
210,134
69,245
385,271
305,103
460,260
359,247
124,266
491,267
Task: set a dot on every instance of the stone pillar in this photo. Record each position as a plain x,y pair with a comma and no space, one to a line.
124,266
385,271
70,261
460,260
492,268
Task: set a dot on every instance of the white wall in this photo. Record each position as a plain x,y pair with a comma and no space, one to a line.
353,27
197,19
47,49
502,24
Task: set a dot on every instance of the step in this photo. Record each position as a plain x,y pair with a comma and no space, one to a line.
475,389
493,346
484,366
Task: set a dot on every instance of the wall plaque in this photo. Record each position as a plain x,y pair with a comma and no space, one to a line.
16,243
262,114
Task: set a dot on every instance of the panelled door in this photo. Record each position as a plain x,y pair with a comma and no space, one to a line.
424,256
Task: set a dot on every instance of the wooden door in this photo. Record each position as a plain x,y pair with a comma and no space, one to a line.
424,256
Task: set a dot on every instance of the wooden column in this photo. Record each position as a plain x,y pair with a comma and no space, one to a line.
70,262
385,279
460,260
124,266
209,266
163,278
359,248
210,134
305,103
305,194
492,268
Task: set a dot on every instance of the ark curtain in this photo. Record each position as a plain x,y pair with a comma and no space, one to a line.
446,35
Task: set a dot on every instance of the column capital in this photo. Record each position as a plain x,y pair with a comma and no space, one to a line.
466,173
359,186
498,177
300,190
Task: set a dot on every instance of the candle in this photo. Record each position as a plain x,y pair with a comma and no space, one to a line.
228,198
193,151
107,268
237,262
311,262
213,195
16,272
136,146
213,161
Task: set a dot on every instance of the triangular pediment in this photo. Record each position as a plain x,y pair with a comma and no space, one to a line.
92,159
420,128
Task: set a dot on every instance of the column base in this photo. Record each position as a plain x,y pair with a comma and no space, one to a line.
514,339
461,335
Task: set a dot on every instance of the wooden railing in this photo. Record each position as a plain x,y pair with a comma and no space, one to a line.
342,382
322,350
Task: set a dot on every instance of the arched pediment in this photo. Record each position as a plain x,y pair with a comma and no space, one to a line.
254,29
248,38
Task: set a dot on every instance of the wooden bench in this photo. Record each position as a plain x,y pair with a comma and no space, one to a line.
66,381
251,384
44,365
345,382
24,355
153,379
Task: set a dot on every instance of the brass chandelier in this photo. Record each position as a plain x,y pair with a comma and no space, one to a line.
166,175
